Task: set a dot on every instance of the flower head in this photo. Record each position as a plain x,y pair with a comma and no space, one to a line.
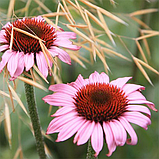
94,108
26,50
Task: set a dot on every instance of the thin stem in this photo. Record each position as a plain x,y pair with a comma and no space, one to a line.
90,151
29,91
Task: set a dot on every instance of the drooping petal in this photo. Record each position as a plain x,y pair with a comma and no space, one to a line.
139,108
120,82
63,88
130,130
70,129
13,63
129,88
29,60
97,138
5,58
137,118
84,132
62,55
139,101
42,64
119,132
20,65
109,138
57,123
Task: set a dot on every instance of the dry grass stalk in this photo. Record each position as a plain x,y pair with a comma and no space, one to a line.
27,33
146,44
18,153
10,8
18,99
8,124
105,27
111,52
67,10
11,40
141,51
79,26
41,4
67,16
140,22
148,36
78,7
57,16
5,94
108,14
41,75
11,99
33,83
141,69
54,14
147,66
80,33
144,11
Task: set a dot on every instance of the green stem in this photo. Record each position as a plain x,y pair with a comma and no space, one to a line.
90,151
29,91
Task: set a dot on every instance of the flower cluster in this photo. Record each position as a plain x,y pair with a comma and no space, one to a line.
94,108
24,51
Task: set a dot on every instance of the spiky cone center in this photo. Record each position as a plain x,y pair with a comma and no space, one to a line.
100,102
25,43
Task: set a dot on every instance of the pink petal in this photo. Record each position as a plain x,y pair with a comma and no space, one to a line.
139,108
4,47
70,129
13,63
62,55
20,65
63,110
80,82
149,104
136,96
130,130
104,78
57,123
66,43
137,118
5,58
42,64
109,138
94,77
29,60
97,139
118,132
2,38
67,35
63,88
120,82
59,99
84,132
129,88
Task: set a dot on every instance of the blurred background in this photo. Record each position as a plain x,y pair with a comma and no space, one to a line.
22,143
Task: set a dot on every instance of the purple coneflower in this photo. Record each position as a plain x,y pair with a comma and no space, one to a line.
26,50
98,109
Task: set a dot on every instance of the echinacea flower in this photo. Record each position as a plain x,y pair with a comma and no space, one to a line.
94,108
24,51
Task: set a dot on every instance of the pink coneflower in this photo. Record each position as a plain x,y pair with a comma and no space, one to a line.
98,109
26,50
